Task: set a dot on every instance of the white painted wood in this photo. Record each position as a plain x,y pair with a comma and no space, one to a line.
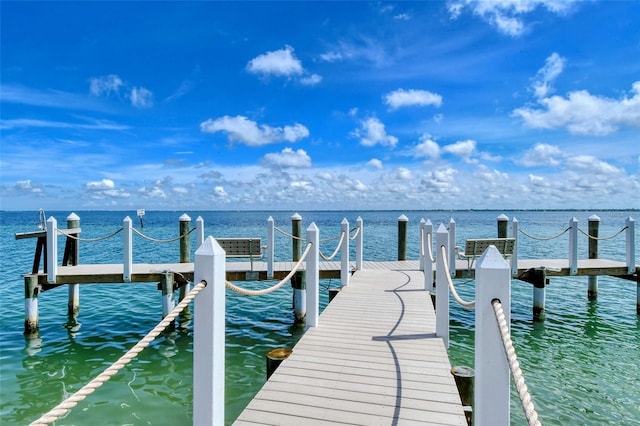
52,250
359,244
344,254
573,246
271,238
630,238
422,235
451,250
514,255
313,276
127,237
199,231
209,336
491,391
429,283
442,285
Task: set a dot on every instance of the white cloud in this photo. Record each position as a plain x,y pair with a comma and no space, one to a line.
141,97
412,97
287,158
219,192
105,188
311,80
440,181
583,113
331,56
402,173
592,165
103,185
462,149
427,148
372,133
280,62
403,17
248,132
105,85
553,67
375,163
507,16
542,155
27,186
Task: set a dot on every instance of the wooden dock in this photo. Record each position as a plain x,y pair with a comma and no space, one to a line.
373,359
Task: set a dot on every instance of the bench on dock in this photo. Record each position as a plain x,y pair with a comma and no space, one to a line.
474,248
242,248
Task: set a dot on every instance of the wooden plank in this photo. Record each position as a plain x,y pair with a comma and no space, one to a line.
373,359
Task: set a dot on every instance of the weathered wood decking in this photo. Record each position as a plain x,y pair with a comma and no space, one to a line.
373,359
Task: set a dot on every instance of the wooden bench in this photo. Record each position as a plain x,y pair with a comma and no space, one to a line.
242,248
474,248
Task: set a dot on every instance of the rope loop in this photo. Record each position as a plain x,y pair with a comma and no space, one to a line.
514,365
543,238
355,235
248,292
170,240
65,406
286,234
429,244
603,238
86,240
461,302
336,250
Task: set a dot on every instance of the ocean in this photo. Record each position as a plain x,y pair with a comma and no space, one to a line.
582,364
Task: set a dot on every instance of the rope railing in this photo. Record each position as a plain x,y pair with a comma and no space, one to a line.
461,302
603,238
543,238
514,366
429,243
288,234
248,292
170,240
335,251
87,240
355,235
65,406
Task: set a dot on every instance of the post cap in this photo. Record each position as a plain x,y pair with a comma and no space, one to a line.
594,218
403,218
296,216
185,218
73,216
503,217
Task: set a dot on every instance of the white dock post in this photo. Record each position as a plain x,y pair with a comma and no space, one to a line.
208,336
199,231
52,250
271,238
442,286
344,253
492,391
313,276
128,250
359,241
73,304
630,238
429,284
514,256
423,237
31,316
168,296
573,246
452,247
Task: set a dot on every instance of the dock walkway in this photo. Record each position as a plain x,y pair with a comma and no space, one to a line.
373,359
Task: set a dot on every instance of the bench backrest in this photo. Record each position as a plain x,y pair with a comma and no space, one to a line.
475,247
241,247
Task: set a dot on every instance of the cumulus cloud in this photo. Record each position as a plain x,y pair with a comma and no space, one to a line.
542,155
27,186
462,149
508,16
542,82
427,148
102,185
311,80
583,113
280,62
141,97
412,97
375,164
593,165
287,158
248,132
219,192
372,132
441,180
105,85
105,188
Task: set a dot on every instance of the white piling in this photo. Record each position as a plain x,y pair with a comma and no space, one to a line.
452,247
271,238
630,238
209,336
421,252
344,254
313,276
52,250
442,286
514,256
428,265
573,246
128,249
199,231
492,391
359,244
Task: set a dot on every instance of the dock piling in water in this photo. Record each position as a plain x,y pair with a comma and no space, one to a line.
31,315
185,256
72,257
298,281
594,223
403,221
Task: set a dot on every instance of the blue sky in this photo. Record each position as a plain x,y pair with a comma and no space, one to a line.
320,105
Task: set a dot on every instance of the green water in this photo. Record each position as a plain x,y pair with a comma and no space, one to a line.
581,364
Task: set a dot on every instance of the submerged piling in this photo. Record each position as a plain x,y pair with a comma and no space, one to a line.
594,223
298,281
31,319
71,257
185,257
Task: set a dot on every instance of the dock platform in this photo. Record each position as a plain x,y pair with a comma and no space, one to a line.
373,359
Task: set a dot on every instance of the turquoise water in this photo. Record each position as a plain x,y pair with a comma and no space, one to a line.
581,364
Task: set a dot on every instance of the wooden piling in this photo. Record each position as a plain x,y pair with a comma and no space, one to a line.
503,225
31,316
168,297
298,281
594,223
537,277
185,256
403,221
275,358
71,257
464,377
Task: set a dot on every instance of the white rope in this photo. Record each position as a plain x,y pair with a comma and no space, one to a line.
271,289
87,240
603,238
66,405
356,234
429,244
170,240
336,250
514,366
461,302
543,238
287,234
